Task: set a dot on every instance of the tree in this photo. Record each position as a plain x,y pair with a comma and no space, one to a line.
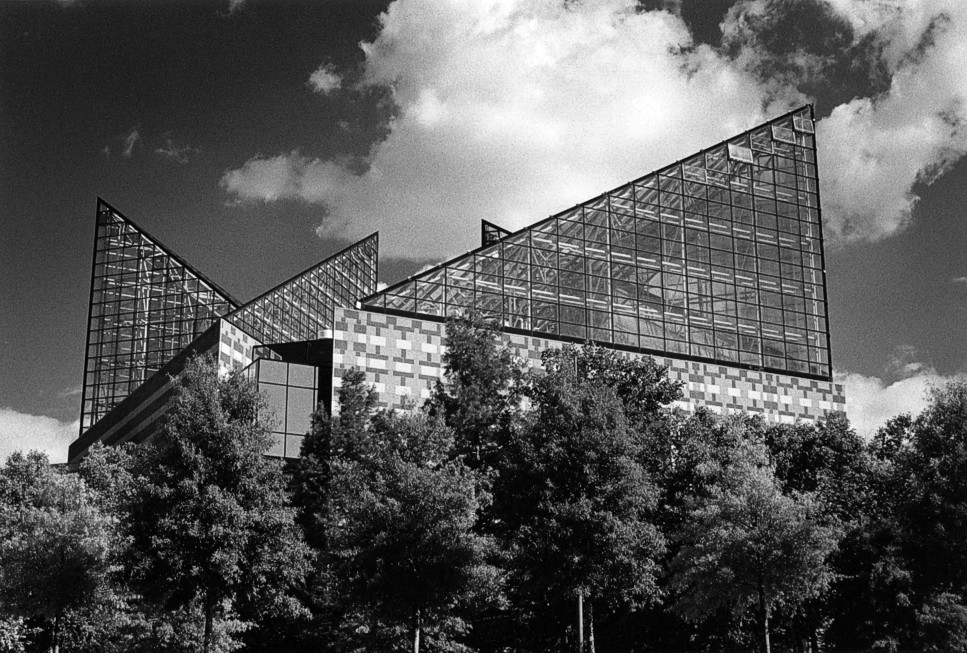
749,545
210,525
330,438
943,623
401,513
55,543
478,396
108,472
927,490
830,461
641,384
577,500
934,473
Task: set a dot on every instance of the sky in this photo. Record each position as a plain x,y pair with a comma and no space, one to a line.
256,137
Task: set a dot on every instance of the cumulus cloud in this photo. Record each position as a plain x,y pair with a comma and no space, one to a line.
509,111
25,432
287,176
325,80
871,401
905,126
959,279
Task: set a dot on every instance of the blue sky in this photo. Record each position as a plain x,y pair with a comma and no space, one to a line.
255,138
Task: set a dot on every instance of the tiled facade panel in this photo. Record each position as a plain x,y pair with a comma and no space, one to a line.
235,347
403,357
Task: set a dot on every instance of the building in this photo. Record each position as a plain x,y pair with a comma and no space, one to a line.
713,265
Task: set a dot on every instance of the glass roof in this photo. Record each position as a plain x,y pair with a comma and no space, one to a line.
718,257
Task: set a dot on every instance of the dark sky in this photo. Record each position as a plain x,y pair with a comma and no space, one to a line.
201,124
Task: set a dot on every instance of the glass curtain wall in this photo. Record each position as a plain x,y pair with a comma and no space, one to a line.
302,307
291,393
717,257
146,306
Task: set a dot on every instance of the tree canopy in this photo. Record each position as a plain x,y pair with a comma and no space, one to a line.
55,543
213,525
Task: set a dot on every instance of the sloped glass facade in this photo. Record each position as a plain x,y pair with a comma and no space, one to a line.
716,258
302,307
146,306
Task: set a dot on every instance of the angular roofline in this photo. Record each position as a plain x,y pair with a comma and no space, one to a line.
534,225
374,235
496,227
166,250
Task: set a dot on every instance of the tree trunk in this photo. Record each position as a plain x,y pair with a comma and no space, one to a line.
580,622
764,615
209,624
55,636
417,628
590,627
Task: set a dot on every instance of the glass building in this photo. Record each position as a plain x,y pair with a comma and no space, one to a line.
146,306
302,308
718,257
713,265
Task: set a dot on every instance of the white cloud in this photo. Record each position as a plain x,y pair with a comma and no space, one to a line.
959,279
903,128
130,140
177,152
871,401
287,176
325,80
234,5
510,110
25,432
875,149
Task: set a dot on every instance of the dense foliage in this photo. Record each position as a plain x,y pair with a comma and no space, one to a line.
518,498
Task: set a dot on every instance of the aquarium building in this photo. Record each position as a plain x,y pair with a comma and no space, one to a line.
713,265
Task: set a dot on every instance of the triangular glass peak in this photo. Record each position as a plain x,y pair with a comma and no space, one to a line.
717,257
146,306
491,233
302,307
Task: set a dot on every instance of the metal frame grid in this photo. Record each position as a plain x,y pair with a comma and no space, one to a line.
718,258
146,305
303,307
